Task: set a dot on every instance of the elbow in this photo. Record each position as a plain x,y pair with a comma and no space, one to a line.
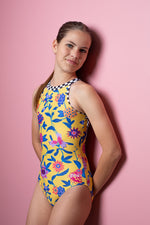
116,154
36,143
113,154
33,142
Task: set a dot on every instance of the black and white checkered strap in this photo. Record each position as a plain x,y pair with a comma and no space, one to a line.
68,84
54,88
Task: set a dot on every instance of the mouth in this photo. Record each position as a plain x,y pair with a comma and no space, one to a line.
72,62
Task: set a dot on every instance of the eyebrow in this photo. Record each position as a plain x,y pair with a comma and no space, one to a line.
76,45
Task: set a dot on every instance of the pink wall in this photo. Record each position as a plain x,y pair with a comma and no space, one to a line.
121,75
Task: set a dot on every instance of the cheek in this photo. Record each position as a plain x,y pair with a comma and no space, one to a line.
84,58
63,53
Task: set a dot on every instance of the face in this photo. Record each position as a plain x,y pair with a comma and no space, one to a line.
71,52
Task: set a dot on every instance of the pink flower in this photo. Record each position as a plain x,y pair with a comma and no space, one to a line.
55,190
76,176
58,166
88,181
57,97
41,138
58,142
84,160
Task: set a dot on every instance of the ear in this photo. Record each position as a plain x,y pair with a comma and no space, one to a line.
54,46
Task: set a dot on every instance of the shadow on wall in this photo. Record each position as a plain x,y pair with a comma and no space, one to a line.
95,53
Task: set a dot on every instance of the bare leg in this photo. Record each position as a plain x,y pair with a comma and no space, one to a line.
40,209
72,208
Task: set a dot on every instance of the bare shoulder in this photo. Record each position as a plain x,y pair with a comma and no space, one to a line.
88,100
83,89
86,93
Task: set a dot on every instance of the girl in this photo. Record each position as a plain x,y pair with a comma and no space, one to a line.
63,107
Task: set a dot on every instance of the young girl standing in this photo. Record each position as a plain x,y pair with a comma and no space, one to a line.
63,107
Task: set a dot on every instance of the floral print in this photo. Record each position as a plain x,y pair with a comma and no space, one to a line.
70,112
84,159
63,132
44,172
55,190
61,99
58,142
40,118
57,97
58,166
43,138
74,133
61,190
46,188
76,176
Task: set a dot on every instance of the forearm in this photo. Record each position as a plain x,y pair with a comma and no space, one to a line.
37,149
106,165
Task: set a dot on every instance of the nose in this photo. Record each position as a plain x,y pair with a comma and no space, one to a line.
75,53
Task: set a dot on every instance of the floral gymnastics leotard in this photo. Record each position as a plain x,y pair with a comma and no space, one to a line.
63,132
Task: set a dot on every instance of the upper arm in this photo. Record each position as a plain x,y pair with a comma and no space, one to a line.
35,125
92,105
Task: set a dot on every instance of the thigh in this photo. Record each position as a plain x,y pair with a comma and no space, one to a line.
40,209
72,208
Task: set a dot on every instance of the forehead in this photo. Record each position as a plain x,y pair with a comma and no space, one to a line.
79,37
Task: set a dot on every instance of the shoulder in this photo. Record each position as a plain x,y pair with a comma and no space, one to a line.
87,97
85,92
83,89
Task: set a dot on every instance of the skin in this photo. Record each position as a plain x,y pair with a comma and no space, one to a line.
70,54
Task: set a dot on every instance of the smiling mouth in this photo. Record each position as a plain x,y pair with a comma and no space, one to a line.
72,62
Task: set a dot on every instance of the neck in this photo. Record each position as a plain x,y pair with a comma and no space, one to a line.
61,78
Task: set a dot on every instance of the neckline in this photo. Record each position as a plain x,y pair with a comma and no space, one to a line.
62,85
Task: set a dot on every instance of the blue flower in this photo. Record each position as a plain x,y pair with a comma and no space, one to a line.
46,188
61,190
61,99
48,97
40,118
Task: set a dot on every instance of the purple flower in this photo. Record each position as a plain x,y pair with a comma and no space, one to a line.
44,172
74,133
58,142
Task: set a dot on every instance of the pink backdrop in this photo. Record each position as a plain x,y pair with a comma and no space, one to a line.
121,75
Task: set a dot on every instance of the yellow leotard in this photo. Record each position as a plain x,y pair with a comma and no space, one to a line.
63,132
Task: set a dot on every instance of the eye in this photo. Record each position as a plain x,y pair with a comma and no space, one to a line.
69,45
83,50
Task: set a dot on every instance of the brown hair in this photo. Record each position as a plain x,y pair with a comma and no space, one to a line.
64,29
